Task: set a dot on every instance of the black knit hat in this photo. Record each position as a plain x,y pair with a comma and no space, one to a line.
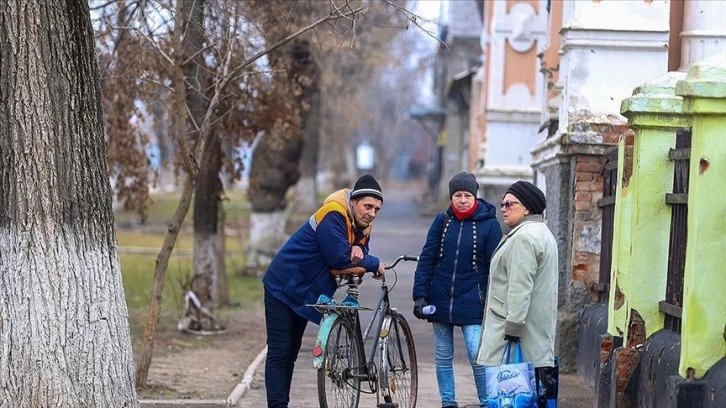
366,186
532,198
463,182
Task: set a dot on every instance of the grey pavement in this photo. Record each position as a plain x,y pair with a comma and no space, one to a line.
399,229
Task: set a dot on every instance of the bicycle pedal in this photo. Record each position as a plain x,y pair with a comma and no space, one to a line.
388,405
325,300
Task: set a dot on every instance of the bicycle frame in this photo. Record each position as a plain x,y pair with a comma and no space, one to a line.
383,305
385,319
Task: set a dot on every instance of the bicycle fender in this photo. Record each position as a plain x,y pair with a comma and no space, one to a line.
322,339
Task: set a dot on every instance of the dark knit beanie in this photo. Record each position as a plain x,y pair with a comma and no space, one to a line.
463,182
366,186
532,198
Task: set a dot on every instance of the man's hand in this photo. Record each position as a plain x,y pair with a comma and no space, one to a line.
356,254
381,272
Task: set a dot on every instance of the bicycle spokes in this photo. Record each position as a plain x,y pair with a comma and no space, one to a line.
399,374
341,361
339,377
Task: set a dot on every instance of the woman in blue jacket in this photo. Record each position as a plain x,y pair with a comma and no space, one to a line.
452,275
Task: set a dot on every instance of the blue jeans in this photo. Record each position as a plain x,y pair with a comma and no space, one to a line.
444,359
285,330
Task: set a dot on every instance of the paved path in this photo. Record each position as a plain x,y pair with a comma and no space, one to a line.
400,229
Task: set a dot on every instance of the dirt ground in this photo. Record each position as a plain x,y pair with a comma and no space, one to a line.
186,366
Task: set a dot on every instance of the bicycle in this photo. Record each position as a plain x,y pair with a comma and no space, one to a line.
339,349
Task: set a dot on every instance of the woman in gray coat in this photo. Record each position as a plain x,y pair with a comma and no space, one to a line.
522,291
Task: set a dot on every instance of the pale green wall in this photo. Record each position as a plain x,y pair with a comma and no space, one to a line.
620,271
704,295
643,218
650,224
704,287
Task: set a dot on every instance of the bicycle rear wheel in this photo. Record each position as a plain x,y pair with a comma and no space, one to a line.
399,370
339,377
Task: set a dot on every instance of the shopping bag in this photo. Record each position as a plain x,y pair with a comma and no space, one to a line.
512,383
547,379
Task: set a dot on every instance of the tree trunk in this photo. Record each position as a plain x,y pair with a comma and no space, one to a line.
63,317
198,315
275,162
206,238
272,172
222,291
306,199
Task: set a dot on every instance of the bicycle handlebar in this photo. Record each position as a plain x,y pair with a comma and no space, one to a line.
401,258
345,277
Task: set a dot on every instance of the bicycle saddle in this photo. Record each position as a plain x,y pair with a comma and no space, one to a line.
358,271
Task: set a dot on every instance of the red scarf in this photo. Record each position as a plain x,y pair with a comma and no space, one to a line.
462,215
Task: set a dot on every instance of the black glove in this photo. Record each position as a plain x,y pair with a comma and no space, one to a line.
419,304
513,339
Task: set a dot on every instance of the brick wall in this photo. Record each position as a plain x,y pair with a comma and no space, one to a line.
587,221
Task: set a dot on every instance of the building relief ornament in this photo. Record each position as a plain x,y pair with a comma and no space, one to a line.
520,27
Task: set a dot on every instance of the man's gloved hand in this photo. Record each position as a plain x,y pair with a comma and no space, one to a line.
513,339
418,305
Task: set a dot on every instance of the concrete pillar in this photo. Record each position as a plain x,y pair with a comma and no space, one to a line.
655,114
620,261
703,332
704,33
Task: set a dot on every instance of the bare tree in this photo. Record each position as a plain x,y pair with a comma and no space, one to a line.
64,325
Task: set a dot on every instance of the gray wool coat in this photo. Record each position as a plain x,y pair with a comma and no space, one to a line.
522,295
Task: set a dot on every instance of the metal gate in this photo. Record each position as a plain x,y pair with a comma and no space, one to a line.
607,206
678,199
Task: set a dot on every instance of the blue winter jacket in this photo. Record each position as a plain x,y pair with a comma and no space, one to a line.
453,269
300,271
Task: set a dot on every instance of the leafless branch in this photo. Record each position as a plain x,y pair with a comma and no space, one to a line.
100,6
208,47
287,40
415,18
156,46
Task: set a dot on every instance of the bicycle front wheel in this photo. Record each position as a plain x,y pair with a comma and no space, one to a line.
399,368
339,377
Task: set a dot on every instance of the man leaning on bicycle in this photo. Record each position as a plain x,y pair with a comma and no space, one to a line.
336,236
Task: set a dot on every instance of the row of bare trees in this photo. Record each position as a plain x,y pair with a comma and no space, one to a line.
205,76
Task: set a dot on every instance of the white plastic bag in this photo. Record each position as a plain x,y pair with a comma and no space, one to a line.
511,384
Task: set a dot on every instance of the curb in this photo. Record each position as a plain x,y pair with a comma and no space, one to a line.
244,385
182,403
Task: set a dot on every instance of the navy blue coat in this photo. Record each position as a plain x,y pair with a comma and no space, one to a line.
453,269
300,271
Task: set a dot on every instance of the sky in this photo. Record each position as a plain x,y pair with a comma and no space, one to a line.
430,8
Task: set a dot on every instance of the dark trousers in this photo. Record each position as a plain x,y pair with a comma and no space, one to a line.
285,330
